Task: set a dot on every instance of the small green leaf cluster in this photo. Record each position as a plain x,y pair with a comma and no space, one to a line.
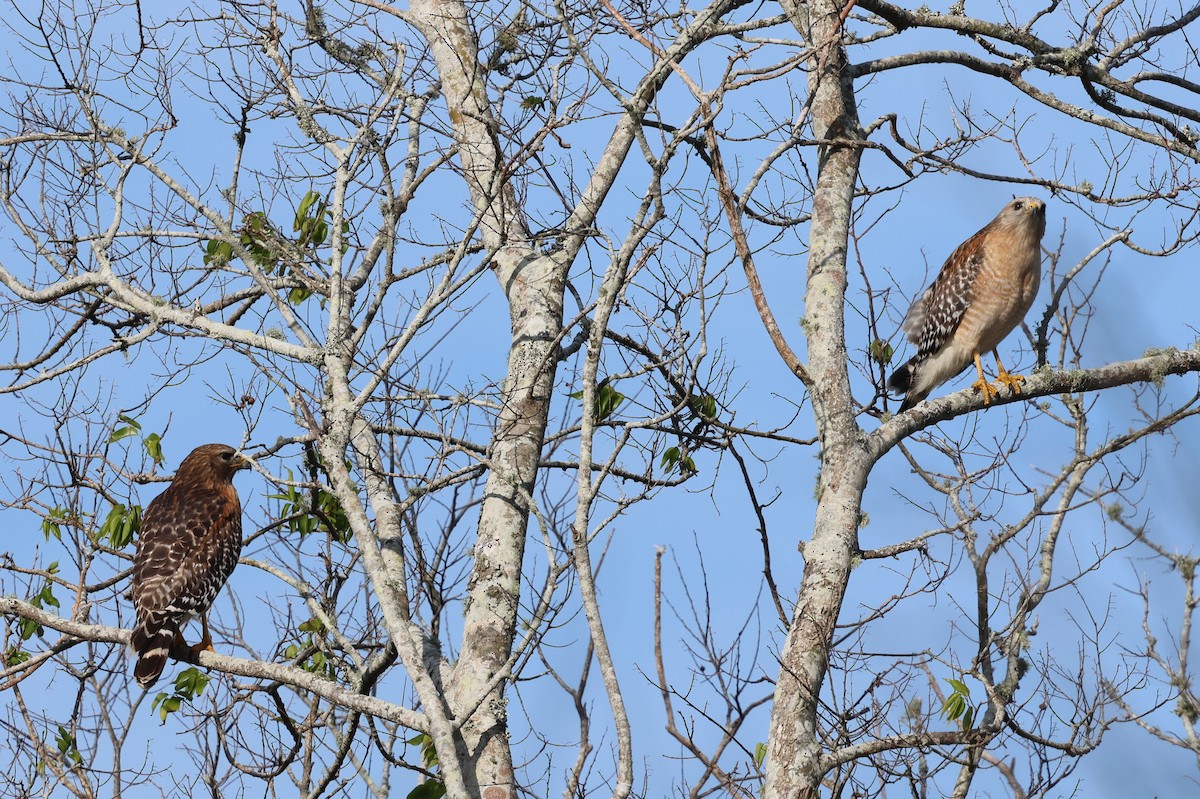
310,220
259,238
130,426
28,628
266,246
881,352
317,661
121,525
678,458
703,406
607,400
189,684
271,250
432,788
15,656
957,706
700,413
55,518
313,511
760,753
217,252
65,742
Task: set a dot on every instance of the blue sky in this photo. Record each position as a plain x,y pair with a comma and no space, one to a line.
707,524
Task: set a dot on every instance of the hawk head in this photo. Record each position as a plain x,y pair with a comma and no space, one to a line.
1024,214
211,463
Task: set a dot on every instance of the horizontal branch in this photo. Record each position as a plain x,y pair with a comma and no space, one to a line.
1041,383
912,740
297,678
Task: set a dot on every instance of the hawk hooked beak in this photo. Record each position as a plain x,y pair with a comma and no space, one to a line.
237,462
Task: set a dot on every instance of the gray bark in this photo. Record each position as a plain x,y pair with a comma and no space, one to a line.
794,766
533,284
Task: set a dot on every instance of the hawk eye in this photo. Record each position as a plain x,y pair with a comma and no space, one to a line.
1018,205
226,456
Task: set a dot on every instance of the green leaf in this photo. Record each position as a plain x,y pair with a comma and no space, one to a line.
428,752
15,657
65,742
306,203
881,352
51,524
298,295
123,432
760,753
670,458
217,252
153,444
704,406
957,705
313,625
954,707
533,102
47,597
121,525
169,706
190,683
608,399
29,628
430,789
258,237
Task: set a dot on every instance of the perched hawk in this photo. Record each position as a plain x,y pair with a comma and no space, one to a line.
983,292
190,541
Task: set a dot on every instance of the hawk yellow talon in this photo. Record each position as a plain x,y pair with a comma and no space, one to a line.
1012,381
984,387
205,644
1004,378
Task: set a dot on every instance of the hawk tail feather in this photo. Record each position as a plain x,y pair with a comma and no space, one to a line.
901,382
901,379
151,642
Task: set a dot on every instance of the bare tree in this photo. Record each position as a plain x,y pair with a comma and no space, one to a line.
322,216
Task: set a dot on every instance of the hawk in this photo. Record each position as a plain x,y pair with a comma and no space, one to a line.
983,292
190,541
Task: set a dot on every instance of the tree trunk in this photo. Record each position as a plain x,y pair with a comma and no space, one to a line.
794,745
533,284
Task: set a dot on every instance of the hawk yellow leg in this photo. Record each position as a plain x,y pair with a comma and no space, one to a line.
1012,381
982,385
205,644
